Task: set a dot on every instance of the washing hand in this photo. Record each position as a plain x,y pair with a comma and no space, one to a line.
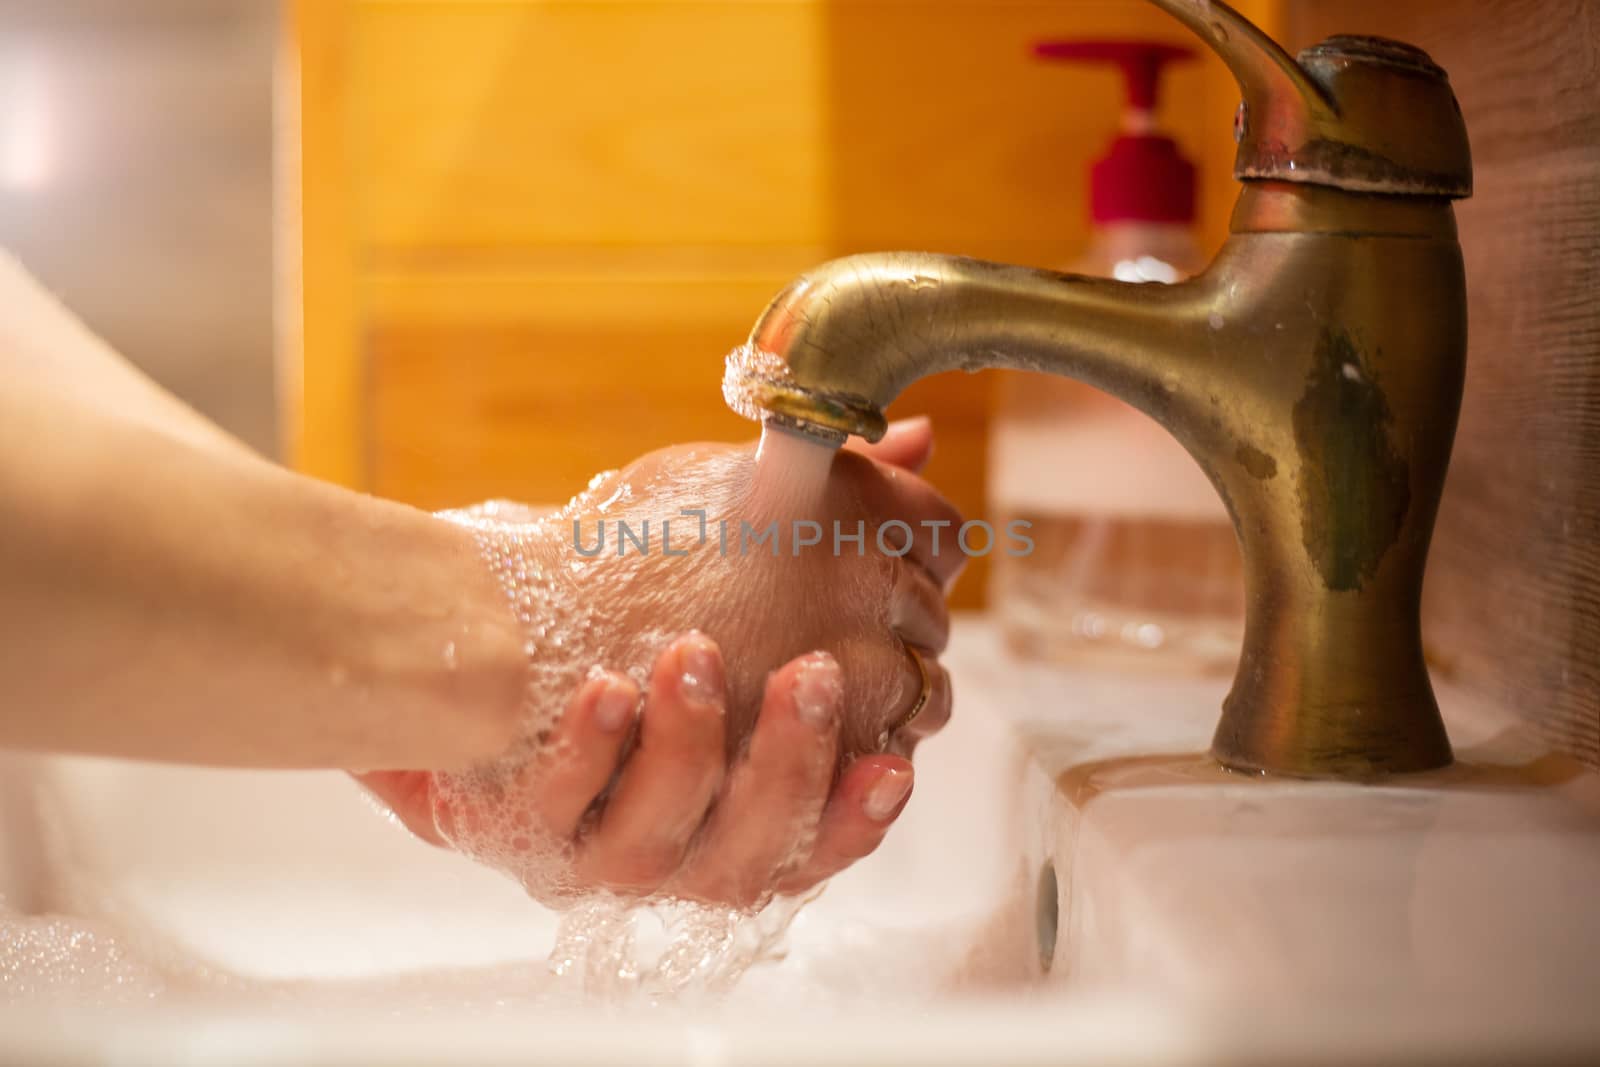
670,815
729,783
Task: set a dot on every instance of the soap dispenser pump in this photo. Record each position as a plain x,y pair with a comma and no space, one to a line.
1142,176
1134,562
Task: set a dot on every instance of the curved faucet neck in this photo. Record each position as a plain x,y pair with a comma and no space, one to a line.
1314,371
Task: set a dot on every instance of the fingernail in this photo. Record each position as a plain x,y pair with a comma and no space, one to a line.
701,667
885,796
818,690
614,710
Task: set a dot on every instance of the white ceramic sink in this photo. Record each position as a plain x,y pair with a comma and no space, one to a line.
1202,917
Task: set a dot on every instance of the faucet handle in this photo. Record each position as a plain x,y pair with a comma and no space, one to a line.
1364,114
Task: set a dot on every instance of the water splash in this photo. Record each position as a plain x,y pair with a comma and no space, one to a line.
746,368
675,951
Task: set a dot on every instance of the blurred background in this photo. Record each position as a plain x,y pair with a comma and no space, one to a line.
136,180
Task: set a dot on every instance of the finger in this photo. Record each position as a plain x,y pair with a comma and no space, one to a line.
662,794
917,610
409,795
869,797
934,524
775,797
582,757
907,444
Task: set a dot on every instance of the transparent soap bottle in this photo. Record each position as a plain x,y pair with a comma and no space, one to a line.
1134,562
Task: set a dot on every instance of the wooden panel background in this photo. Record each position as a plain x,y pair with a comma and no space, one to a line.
532,229
1513,589
321,384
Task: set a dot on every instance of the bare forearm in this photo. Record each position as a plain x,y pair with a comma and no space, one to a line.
168,600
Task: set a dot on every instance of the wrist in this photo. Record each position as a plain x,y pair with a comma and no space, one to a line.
416,627
482,666
514,574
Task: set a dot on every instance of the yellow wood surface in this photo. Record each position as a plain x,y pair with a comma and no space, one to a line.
322,391
532,228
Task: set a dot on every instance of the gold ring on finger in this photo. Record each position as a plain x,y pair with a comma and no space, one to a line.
922,697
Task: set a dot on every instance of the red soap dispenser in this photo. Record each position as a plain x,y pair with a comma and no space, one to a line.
1142,177
1134,561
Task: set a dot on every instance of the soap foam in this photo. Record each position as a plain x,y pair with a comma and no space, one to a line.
568,606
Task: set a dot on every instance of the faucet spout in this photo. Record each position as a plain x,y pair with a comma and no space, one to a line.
851,335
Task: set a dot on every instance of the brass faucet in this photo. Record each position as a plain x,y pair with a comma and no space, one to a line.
1314,370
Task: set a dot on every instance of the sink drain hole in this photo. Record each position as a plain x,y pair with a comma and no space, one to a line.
1047,915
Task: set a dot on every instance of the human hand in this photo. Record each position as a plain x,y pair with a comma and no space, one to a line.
598,598
715,803
640,801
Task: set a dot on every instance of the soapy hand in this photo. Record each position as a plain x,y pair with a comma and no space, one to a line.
770,558
735,783
667,815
